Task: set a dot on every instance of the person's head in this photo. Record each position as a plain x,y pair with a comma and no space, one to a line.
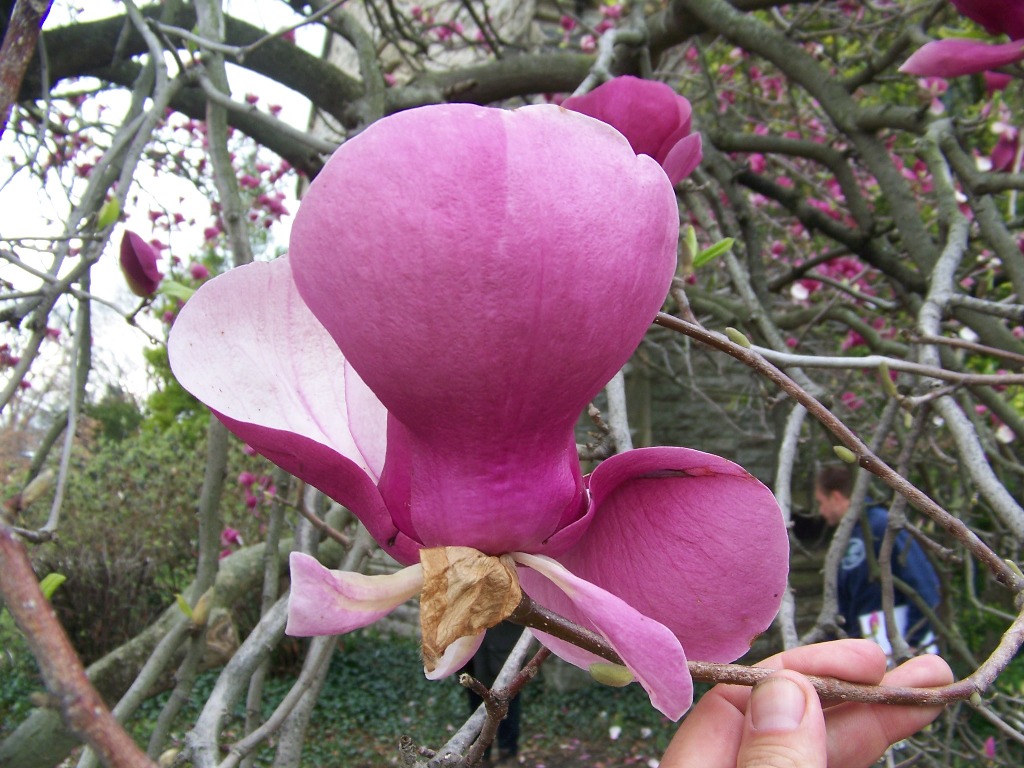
832,489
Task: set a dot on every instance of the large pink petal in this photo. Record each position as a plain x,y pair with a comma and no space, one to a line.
486,272
649,649
326,602
247,346
689,539
955,57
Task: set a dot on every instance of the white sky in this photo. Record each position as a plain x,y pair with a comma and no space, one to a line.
27,210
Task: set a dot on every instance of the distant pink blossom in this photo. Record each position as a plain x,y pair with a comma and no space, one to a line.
198,271
852,400
230,537
990,748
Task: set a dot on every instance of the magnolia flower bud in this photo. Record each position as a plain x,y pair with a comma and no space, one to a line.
138,262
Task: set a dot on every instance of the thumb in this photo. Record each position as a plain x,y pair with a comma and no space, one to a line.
784,727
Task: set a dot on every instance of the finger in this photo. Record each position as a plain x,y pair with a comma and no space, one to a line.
709,737
784,725
858,734
857,661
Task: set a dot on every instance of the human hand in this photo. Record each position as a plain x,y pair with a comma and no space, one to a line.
780,723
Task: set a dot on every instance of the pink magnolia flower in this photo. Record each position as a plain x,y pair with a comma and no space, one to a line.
138,262
654,119
461,282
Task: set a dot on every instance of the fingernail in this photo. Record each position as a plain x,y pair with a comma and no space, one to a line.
777,704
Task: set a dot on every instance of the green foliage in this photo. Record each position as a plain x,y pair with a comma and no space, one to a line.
19,676
375,693
127,538
170,407
117,414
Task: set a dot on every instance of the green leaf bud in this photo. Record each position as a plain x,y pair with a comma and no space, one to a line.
716,250
845,454
50,583
614,675
109,213
737,337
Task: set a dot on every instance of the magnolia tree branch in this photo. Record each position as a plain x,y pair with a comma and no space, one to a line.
830,689
19,46
786,620
81,706
81,362
317,660
878,362
1004,574
826,621
496,700
512,674
202,742
271,588
896,523
929,324
292,728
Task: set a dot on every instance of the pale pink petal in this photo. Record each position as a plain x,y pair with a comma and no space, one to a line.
247,346
485,298
689,539
326,602
683,158
456,656
955,57
649,649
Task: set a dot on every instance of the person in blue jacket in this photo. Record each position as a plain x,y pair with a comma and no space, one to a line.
860,593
